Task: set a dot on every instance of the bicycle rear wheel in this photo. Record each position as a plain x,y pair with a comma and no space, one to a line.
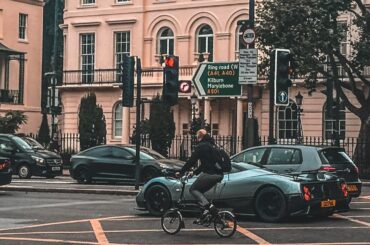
171,221
225,224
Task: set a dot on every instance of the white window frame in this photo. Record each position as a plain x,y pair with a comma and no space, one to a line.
342,123
87,58
206,37
117,121
122,41
88,2
23,23
292,119
167,39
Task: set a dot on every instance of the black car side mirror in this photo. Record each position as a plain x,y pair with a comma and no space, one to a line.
130,157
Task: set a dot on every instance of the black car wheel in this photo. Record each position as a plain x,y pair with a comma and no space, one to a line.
149,173
82,175
158,200
270,204
24,171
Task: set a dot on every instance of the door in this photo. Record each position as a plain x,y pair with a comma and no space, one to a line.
9,150
100,161
123,163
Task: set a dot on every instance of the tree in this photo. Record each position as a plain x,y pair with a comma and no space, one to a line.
92,127
12,121
311,30
162,126
44,132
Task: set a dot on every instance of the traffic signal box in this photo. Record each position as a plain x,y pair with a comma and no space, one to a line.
281,68
127,70
171,80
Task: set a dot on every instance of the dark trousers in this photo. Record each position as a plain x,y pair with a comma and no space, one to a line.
202,184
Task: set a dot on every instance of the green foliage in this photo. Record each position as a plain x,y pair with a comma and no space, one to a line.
199,123
92,127
44,132
145,130
11,122
162,126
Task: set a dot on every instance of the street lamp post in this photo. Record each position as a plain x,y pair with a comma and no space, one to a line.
193,100
299,99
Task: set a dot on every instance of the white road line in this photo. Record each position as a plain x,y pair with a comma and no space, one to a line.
365,197
353,220
359,202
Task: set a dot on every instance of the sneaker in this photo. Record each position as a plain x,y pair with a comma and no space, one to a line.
213,210
202,219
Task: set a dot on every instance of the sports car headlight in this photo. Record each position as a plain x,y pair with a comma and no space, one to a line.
39,161
165,166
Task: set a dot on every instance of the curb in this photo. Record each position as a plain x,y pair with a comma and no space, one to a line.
66,190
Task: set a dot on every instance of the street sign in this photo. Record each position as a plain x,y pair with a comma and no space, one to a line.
248,59
217,79
185,86
248,36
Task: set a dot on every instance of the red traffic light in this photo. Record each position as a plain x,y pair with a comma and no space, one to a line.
171,61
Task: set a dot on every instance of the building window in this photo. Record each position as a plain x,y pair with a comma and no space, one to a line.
123,1
237,40
86,2
205,42
87,56
185,129
333,125
122,45
117,121
166,41
22,26
287,121
215,129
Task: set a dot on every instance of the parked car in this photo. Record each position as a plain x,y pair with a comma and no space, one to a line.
116,163
29,159
251,189
5,171
296,158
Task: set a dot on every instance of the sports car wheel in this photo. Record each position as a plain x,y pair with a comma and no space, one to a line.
158,200
270,204
24,171
82,175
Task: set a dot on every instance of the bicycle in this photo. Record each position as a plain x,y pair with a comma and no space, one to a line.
172,221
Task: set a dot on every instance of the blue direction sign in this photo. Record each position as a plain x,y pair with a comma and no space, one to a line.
217,79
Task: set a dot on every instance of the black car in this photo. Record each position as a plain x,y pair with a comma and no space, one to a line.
5,171
29,159
285,159
116,163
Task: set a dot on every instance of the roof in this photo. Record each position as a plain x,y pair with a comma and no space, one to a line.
5,50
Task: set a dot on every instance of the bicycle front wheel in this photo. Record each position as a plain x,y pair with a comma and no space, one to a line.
225,224
171,221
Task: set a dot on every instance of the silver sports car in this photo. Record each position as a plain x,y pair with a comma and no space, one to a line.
251,189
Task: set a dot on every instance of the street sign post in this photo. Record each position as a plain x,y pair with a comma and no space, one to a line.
217,79
248,59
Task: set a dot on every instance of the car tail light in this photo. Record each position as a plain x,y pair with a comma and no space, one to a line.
4,165
328,168
306,193
344,189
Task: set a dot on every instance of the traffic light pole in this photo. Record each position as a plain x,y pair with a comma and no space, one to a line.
138,126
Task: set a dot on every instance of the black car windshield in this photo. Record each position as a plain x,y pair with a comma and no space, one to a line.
33,143
21,143
146,153
335,156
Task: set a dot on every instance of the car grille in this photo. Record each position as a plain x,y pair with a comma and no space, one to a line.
328,190
54,162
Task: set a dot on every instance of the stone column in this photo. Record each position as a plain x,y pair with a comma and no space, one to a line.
207,110
125,125
239,121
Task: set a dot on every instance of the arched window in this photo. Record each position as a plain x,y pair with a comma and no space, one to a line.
238,35
205,41
166,41
334,121
287,121
117,121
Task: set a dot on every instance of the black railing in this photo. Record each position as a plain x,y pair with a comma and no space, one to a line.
9,96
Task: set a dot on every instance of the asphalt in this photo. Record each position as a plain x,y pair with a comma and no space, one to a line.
65,184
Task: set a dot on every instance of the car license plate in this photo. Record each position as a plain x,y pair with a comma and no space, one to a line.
328,203
352,188
55,168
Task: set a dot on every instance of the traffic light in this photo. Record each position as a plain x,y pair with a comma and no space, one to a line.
171,80
282,82
127,72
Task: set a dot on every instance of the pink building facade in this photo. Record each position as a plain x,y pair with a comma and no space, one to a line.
98,32
21,59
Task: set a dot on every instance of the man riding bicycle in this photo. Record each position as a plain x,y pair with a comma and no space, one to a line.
209,174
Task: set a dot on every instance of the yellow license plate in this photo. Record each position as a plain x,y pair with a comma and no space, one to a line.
352,188
328,203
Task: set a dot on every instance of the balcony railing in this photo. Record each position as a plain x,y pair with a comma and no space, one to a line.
109,76
9,96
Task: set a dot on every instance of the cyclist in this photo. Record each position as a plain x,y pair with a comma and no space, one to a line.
209,175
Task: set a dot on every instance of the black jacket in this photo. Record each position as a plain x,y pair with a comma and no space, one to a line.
202,152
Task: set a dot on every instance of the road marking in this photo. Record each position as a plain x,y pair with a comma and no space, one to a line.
49,240
63,223
251,235
365,197
99,232
353,220
359,202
